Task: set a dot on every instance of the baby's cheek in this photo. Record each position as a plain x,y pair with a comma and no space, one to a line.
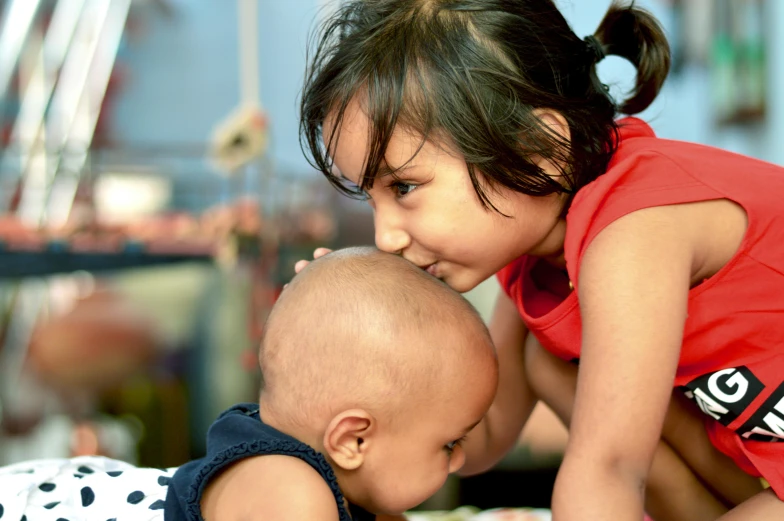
457,461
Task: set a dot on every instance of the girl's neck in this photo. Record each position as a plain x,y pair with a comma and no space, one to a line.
559,261
551,249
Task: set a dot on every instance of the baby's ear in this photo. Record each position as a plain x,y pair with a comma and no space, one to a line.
348,437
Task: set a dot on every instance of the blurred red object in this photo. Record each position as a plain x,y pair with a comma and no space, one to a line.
97,345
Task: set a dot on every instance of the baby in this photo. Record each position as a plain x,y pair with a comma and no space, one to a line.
373,373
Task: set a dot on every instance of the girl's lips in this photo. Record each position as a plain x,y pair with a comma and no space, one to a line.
432,269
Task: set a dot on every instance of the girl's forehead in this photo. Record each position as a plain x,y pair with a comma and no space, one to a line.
352,124
346,141
349,140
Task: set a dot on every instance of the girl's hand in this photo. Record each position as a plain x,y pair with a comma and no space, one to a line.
319,252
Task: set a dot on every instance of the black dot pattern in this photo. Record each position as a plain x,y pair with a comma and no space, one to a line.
142,489
2,510
112,519
135,497
88,496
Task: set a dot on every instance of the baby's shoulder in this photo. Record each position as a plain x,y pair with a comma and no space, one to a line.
280,470
270,487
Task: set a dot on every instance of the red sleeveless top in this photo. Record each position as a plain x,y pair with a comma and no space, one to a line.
732,358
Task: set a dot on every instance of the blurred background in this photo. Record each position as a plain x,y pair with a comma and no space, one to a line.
154,199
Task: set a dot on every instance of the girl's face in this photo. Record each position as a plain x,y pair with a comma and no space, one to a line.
430,214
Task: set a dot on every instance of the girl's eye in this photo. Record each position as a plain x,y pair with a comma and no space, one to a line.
402,189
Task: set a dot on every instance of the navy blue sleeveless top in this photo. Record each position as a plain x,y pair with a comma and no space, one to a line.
239,433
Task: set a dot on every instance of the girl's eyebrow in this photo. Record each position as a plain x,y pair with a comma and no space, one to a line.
384,169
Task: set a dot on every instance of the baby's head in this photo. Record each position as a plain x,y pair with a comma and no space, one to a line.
383,369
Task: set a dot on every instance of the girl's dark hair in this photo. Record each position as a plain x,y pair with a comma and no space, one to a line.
472,74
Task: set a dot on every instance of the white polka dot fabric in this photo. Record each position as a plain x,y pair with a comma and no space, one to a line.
82,489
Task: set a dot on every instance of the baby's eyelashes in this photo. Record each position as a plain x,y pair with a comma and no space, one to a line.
452,445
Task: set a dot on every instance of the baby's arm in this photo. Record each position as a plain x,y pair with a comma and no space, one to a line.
633,290
500,429
269,488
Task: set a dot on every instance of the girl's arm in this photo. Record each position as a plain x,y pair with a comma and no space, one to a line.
673,491
633,291
499,431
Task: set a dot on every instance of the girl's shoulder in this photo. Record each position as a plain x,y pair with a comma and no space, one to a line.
645,162
647,171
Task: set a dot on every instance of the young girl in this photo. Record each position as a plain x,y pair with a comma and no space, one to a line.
481,136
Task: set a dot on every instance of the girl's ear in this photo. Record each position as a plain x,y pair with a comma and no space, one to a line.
555,122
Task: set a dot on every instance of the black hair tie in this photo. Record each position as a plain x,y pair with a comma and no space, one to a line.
595,47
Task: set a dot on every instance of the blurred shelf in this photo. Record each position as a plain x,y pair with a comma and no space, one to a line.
35,259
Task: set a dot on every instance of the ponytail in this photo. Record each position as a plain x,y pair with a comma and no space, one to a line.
633,33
